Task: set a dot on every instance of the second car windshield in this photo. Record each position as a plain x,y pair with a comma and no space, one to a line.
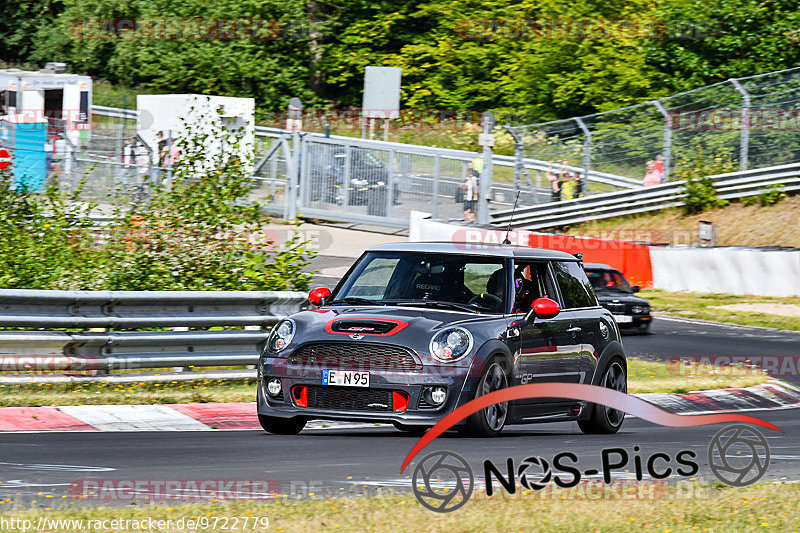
478,283
608,279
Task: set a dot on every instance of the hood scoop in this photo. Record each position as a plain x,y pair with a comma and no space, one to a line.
365,326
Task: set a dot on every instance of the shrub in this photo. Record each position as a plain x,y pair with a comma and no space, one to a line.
701,195
198,232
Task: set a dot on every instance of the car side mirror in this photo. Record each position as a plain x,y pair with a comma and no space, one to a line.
318,296
636,288
545,308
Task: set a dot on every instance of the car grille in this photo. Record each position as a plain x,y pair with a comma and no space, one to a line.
616,308
349,399
357,355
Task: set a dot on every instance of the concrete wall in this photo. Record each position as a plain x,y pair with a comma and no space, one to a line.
726,270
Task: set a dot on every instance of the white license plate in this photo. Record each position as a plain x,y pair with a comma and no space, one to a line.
346,378
623,319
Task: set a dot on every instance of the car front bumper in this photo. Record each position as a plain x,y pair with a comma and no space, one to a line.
457,381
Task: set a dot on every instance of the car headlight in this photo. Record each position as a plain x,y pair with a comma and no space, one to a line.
451,344
638,309
282,335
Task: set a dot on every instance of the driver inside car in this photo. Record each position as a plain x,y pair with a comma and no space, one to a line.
495,292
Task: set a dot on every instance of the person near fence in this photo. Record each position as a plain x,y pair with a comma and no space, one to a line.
470,187
659,166
566,182
128,162
578,185
652,177
555,187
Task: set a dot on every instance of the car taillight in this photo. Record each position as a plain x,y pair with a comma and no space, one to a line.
300,394
399,401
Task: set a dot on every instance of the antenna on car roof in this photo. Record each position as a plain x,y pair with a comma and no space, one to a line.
506,241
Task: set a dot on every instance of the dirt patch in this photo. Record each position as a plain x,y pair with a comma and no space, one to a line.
737,225
792,310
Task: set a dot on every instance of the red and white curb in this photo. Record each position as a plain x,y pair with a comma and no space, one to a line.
771,395
172,417
242,416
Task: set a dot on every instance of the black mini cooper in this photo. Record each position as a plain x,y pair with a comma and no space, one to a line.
414,330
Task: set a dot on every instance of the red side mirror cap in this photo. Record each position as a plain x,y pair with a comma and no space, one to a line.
545,308
318,296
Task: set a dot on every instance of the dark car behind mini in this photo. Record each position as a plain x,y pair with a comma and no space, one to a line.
631,312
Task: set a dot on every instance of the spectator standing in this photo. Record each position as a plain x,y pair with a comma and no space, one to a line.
555,188
470,187
659,166
652,177
578,186
566,182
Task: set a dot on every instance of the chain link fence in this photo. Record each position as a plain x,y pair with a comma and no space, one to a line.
736,124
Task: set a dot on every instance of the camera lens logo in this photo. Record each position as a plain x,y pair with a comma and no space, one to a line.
443,482
526,477
738,455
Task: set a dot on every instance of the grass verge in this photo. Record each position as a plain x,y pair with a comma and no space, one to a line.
706,508
643,376
702,306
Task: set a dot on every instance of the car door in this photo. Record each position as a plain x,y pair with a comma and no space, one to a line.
580,301
548,347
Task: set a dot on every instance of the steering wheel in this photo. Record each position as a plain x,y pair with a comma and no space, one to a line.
489,301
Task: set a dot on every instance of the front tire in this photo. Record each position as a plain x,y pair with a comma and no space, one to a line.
281,426
489,422
607,420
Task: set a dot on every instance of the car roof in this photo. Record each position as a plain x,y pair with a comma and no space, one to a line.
460,248
599,266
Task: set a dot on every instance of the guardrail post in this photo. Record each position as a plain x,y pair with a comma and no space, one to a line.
667,138
587,153
744,143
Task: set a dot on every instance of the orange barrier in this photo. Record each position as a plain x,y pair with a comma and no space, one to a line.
633,260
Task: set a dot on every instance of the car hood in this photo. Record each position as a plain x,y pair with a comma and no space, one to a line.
625,297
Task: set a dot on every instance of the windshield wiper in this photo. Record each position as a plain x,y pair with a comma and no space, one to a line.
435,303
355,300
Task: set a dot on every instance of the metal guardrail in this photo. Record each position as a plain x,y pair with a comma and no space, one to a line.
728,186
61,351
500,160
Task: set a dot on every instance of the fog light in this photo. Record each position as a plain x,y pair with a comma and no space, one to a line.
438,394
274,387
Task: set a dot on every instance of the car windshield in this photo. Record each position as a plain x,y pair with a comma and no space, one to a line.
459,282
608,279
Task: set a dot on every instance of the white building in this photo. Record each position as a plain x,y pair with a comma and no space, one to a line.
65,100
179,116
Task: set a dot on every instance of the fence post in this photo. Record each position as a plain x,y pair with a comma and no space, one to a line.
486,172
744,144
587,153
390,184
348,162
436,172
294,177
667,137
119,169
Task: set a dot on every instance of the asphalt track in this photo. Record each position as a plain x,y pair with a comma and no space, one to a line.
366,461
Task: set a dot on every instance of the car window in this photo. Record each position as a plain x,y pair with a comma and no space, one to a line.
608,279
408,277
531,281
576,289
476,275
373,280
